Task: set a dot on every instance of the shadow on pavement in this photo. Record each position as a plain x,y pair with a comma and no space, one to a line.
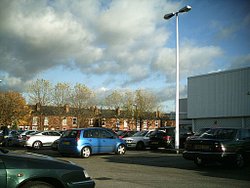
171,160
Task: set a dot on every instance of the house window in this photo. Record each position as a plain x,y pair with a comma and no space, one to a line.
46,121
91,122
103,122
156,123
125,124
34,120
64,121
74,121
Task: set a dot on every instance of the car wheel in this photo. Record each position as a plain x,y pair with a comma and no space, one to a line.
199,162
37,184
37,145
121,150
140,146
85,153
239,161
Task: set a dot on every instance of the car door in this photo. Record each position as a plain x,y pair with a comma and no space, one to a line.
107,141
91,138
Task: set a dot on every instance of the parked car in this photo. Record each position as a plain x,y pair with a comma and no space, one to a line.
139,140
45,138
87,141
167,139
22,136
225,145
161,139
11,139
125,133
33,170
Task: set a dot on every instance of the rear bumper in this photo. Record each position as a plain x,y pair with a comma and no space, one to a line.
69,151
208,156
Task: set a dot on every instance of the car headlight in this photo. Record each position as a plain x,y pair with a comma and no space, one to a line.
86,174
129,141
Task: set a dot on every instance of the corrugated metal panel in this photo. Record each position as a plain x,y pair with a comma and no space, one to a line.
223,94
221,122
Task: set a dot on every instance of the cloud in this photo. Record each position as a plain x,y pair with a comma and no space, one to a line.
240,62
37,36
194,60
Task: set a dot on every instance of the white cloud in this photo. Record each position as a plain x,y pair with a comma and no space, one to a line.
194,60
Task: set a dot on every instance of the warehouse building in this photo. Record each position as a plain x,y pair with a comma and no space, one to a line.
220,99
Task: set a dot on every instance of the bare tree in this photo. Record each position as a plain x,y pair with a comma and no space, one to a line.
114,100
82,98
40,92
146,104
61,94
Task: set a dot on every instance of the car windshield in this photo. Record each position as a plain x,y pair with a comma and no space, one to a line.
140,134
201,131
223,134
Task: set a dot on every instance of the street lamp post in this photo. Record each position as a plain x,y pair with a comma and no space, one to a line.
177,125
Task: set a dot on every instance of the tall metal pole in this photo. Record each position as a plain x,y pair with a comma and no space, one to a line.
177,125
177,113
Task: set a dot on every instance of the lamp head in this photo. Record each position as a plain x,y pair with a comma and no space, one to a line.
185,9
168,16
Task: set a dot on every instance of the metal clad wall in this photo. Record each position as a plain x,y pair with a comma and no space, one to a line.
224,94
222,122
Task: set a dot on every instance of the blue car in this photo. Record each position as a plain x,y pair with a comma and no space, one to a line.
87,141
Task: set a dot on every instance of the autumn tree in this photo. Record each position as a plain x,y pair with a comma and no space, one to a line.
13,109
40,92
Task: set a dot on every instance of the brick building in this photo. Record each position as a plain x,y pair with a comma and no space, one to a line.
63,118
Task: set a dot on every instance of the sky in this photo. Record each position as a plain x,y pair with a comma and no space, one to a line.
120,44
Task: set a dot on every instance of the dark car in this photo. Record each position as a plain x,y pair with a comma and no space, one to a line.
33,170
165,137
162,139
224,145
86,141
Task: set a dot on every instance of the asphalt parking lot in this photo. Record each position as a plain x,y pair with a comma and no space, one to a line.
144,169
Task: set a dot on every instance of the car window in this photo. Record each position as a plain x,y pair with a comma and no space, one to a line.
92,133
45,133
105,134
220,134
55,134
140,133
70,134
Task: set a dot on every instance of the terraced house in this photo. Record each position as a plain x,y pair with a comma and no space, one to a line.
66,117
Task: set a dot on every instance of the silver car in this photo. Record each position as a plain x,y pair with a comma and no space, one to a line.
139,140
45,138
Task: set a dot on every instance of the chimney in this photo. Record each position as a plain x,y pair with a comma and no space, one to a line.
118,111
67,108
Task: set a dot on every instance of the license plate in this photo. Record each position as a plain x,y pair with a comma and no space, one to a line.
205,147
66,143
154,142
